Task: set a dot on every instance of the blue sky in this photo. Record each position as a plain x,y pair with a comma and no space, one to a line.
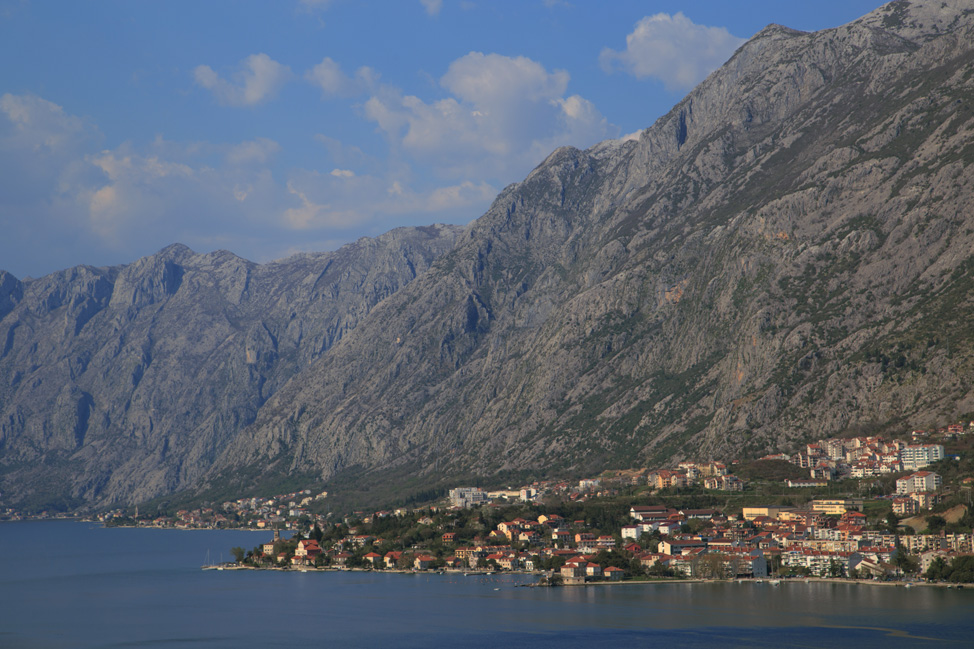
270,128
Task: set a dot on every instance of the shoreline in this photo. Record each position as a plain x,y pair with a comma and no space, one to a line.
640,582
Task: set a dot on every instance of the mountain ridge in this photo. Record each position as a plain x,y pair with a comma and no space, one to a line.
567,193
96,360
784,255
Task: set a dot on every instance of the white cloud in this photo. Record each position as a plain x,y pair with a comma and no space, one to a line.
259,151
672,49
42,171
457,196
504,116
42,123
66,200
432,7
328,76
259,78
341,153
343,200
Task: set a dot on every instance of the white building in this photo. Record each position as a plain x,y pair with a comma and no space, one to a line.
919,456
467,496
632,532
919,482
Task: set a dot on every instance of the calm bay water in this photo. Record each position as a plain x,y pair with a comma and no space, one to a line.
74,585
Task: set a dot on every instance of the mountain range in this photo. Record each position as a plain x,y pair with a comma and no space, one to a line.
787,254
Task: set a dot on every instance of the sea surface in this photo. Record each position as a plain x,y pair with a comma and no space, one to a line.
74,585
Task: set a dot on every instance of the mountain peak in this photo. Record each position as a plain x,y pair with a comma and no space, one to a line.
921,20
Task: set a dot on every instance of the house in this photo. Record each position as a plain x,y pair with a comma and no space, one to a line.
614,574
553,521
498,558
752,513
650,559
561,537
681,546
307,548
642,512
530,537
668,527
632,532
423,562
573,573
374,558
806,484
925,499
509,529
450,537
701,514
593,570
584,537
392,559
837,505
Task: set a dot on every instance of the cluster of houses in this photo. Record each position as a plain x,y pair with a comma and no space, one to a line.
710,475
828,538
915,492
821,545
283,510
864,457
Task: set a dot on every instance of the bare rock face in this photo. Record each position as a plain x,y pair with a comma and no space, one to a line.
120,384
787,254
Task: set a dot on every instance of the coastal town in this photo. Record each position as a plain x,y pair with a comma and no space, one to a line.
868,508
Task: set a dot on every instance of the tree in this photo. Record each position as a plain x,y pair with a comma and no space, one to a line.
836,568
636,568
553,563
905,562
238,554
938,570
935,524
709,566
659,570
962,570
892,522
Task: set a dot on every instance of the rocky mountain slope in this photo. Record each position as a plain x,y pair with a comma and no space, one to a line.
119,384
787,254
